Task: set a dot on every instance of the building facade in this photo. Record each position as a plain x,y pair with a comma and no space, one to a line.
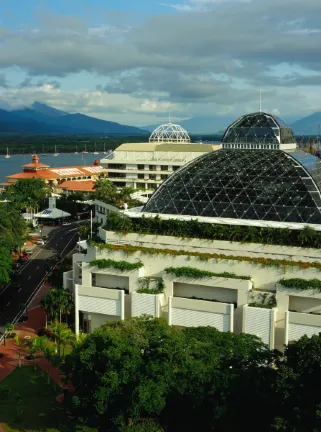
147,165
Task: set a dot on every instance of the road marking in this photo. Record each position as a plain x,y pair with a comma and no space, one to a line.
19,289
29,277
37,268
8,304
68,244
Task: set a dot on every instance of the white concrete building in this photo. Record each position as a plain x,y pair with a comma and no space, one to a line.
223,302
147,165
271,291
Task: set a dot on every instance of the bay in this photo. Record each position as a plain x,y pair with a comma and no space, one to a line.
13,165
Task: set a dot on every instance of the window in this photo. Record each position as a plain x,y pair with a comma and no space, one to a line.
164,168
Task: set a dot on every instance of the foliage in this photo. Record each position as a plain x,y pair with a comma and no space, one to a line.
119,265
263,300
145,285
5,265
4,391
264,262
195,273
55,302
141,368
207,231
107,192
62,335
28,193
303,284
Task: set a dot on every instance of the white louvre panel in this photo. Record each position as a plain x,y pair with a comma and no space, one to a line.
296,331
258,322
99,305
193,318
143,304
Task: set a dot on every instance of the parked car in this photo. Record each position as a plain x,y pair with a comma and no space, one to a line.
66,223
40,242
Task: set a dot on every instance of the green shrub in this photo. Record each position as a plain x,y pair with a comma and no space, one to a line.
195,273
119,265
303,284
4,391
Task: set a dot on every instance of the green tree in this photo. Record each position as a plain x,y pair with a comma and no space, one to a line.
28,193
106,191
5,265
20,345
62,334
55,302
141,368
8,328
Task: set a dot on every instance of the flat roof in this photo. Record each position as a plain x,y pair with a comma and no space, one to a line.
168,147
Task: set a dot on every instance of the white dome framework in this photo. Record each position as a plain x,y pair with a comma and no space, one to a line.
170,133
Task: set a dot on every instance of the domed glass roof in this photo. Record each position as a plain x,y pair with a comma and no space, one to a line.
170,133
259,131
242,184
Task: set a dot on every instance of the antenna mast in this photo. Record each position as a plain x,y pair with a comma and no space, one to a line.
260,100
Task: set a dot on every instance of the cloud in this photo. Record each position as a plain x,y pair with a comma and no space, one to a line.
3,81
195,62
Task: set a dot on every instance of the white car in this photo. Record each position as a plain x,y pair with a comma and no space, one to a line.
66,223
40,242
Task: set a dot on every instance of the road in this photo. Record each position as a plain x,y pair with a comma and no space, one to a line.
60,240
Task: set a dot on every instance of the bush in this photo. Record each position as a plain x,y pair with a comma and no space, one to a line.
46,332
4,391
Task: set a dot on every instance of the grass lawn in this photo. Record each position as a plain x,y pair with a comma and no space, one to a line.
39,411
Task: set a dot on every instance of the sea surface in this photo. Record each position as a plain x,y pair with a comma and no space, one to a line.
13,165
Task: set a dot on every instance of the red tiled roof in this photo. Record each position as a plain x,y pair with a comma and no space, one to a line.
80,186
61,172
35,165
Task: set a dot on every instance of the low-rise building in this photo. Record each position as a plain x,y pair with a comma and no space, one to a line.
147,165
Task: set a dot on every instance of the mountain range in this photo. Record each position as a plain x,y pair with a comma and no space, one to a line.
43,119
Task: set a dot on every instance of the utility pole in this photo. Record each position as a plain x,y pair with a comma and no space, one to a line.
91,223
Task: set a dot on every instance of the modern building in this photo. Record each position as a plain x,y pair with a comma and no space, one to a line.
272,291
147,165
55,177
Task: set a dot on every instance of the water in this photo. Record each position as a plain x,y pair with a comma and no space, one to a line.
13,165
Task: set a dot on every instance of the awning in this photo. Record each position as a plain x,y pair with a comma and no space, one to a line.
52,213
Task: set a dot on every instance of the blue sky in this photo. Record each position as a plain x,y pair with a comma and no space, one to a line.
134,61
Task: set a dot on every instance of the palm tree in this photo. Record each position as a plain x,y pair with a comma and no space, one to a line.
49,355
62,335
55,302
8,327
20,345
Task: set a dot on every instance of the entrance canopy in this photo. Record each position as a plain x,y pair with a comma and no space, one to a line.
52,213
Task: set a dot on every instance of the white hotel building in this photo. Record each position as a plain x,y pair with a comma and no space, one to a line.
264,187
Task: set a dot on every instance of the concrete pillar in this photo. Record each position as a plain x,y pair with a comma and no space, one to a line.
76,301
170,310
272,328
286,328
122,304
232,318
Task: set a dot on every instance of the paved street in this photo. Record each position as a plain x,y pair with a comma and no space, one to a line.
60,240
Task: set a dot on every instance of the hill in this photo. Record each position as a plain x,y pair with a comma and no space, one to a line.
41,118
308,125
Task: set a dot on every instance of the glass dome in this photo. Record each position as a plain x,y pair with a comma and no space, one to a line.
241,184
259,131
170,133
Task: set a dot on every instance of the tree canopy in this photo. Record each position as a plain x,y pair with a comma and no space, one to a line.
107,192
28,193
143,369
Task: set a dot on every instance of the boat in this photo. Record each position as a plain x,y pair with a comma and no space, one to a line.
7,156
76,152
95,152
105,148
56,154
85,151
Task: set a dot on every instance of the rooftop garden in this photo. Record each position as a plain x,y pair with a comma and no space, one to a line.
306,237
119,265
264,262
195,273
301,284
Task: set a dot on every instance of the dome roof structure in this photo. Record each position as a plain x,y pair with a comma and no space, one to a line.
241,184
259,131
170,133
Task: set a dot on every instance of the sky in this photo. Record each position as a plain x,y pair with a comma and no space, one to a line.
136,61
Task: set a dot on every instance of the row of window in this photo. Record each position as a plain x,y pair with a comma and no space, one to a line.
142,167
252,146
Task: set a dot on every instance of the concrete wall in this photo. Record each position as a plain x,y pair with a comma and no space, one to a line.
260,322
300,324
111,281
304,304
205,292
97,320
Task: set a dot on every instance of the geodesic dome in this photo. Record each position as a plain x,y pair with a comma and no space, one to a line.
170,133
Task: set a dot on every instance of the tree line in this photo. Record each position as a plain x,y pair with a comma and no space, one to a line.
142,375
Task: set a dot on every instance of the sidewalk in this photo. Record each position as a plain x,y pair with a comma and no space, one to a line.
36,320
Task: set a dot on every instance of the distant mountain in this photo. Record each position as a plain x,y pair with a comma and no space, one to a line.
307,125
47,110
41,118
208,125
